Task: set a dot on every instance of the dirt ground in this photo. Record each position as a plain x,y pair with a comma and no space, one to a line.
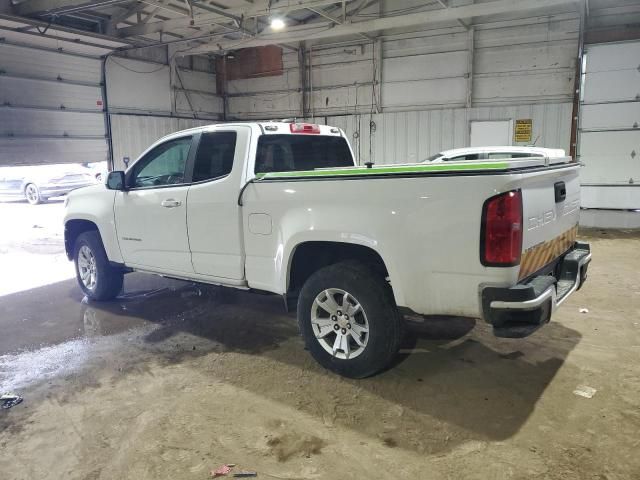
174,379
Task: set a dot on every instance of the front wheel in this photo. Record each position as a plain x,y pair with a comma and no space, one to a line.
32,194
96,277
349,319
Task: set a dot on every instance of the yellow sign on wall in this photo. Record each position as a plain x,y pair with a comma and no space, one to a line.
523,131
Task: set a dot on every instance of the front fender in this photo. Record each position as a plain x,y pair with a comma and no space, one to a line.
95,204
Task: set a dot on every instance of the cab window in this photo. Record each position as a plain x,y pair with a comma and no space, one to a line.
164,165
214,158
287,153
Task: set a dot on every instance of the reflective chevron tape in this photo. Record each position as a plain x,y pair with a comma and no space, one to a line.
542,254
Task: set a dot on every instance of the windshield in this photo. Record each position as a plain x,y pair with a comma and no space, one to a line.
287,153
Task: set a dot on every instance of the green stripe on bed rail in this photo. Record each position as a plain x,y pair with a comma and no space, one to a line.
386,170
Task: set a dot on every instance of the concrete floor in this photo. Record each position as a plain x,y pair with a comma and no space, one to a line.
174,379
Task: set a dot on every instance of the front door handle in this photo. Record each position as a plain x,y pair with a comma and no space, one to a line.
171,203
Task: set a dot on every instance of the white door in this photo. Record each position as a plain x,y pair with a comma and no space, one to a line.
609,134
151,216
213,215
491,133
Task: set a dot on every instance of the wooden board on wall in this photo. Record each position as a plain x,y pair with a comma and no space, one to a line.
251,63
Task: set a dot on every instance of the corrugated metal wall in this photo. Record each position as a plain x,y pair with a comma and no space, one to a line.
159,91
433,84
404,137
517,62
609,137
162,102
52,107
50,98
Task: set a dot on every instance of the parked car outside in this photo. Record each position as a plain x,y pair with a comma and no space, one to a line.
494,153
37,184
98,169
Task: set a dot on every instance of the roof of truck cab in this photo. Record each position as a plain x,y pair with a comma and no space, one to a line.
267,128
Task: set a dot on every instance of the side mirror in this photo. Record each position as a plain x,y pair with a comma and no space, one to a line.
115,180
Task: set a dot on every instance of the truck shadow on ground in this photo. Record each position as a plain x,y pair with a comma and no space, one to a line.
452,379
452,382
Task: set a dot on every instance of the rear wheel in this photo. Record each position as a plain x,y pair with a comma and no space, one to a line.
32,194
96,277
349,319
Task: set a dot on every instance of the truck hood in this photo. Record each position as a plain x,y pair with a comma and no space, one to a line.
92,190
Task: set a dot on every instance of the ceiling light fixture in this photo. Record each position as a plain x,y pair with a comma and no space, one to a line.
277,23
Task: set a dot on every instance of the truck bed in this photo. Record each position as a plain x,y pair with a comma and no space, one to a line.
423,220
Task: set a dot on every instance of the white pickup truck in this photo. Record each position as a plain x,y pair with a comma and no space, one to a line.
282,208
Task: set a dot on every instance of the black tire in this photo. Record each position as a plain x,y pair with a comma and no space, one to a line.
376,298
108,279
32,194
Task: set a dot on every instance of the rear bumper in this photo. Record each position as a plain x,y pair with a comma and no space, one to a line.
520,310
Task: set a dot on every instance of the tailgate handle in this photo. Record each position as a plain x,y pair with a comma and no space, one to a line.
561,191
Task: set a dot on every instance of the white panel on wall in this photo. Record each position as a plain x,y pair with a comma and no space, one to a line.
289,80
532,86
51,101
604,116
265,106
605,58
609,138
526,58
424,93
35,151
610,157
342,74
30,62
124,78
198,103
599,86
29,122
36,93
421,67
488,133
202,81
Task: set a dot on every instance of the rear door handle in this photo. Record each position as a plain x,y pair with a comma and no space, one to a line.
171,203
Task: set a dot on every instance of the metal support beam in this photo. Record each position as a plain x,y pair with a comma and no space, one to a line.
35,7
444,4
336,21
208,18
377,46
164,5
472,48
135,8
304,32
302,68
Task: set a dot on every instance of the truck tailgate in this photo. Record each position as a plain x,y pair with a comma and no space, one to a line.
551,210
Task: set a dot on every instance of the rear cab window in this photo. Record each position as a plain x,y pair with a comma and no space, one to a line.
298,152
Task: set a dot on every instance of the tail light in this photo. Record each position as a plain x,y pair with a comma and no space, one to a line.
501,237
310,128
